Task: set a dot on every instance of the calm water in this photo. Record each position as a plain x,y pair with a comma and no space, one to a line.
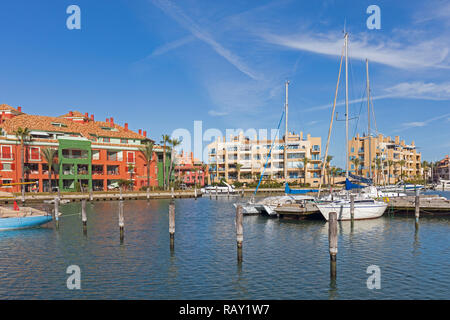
282,259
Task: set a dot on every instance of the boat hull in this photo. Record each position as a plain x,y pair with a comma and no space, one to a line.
23,222
362,211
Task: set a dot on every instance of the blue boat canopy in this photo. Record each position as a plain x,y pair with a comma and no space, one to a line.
360,179
349,185
288,190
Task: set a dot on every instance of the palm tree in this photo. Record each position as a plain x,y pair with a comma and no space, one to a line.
356,163
146,152
49,155
238,169
401,163
328,161
390,163
23,134
378,164
173,144
165,139
425,167
131,171
305,161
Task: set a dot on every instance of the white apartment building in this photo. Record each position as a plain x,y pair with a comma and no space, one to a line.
223,157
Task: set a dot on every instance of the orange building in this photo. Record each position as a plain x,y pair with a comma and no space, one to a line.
190,170
94,154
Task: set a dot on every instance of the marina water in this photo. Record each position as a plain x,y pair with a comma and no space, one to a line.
282,259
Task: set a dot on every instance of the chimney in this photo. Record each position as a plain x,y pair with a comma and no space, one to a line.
107,120
111,121
86,115
70,113
19,109
145,133
126,126
92,117
140,131
397,140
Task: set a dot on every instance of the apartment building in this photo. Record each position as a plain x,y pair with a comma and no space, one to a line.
441,171
242,159
95,154
405,158
190,170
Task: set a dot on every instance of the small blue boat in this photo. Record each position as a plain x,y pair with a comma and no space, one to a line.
11,223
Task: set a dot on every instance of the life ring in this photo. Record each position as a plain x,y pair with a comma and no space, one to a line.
386,199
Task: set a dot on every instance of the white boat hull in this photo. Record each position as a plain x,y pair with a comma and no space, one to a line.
362,210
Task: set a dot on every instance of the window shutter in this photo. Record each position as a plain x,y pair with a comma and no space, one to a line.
13,166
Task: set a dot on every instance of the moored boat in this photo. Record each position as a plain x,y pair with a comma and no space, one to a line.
23,218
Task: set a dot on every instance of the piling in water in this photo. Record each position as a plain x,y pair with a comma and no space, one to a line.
332,235
120,195
172,224
239,231
417,204
216,191
148,193
83,215
57,212
172,192
121,221
332,241
352,207
91,196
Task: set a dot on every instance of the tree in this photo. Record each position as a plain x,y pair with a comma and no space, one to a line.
305,161
390,163
49,155
146,152
328,161
131,171
425,167
378,165
165,139
23,134
238,169
356,163
401,164
173,144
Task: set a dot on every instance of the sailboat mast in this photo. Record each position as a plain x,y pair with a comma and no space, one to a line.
346,105
368,119
286,132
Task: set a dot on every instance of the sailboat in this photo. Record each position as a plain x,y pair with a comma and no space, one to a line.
364,208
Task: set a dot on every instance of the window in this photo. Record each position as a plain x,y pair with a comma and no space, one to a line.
6,181
130,157
124,141
106,140
35,153
95,154
6,152
6,166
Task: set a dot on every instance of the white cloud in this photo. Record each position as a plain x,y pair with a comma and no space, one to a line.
405,90
171,45
419,54
186,22
416,124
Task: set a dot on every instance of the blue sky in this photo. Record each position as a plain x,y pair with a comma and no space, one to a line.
159,65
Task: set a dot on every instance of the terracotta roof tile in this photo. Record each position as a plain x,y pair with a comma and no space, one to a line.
87,129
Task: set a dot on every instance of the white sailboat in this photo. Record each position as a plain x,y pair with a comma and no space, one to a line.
364,208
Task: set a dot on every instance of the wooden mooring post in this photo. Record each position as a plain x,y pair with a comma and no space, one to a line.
56,212
417,205
172,224
120,193
216,191
83,215
195,192
332,242
148,193
172,193
91,195
352,207
121,221
239,231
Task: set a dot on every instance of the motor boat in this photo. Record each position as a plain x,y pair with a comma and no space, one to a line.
227,189
363,208
270,205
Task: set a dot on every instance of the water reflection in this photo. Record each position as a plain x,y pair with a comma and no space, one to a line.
284,259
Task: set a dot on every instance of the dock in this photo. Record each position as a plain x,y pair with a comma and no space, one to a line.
429,204
99,196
